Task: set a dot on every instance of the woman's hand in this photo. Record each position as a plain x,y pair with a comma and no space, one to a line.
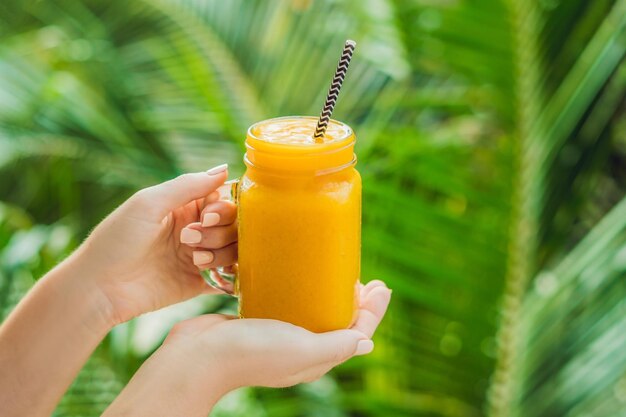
207,356
136,256
132,263
271,353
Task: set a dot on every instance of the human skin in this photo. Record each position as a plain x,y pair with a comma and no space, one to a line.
142,257
206,357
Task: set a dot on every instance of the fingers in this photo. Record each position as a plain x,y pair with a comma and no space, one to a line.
363,347
217,237
370,286
336,347
340,345
154,203
218,213
214,196
205,259
216,234
373,307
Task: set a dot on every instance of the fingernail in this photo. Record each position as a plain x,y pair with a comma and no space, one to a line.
202,257
210,219
216,170
190,236
364,347
214,196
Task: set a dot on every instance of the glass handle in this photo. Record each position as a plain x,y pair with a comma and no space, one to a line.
224,278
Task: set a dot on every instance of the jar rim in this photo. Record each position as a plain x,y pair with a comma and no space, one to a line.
346,128
300,157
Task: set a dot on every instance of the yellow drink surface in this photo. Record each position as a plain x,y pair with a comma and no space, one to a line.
297,131
299,226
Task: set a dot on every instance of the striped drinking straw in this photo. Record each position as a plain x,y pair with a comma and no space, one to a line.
333,91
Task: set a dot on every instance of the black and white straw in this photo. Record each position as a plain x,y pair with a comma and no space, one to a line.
333,91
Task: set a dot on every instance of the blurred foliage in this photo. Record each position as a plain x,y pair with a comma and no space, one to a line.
492,148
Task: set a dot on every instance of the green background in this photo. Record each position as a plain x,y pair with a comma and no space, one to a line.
492,145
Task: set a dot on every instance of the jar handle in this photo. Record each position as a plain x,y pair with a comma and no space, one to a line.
224,278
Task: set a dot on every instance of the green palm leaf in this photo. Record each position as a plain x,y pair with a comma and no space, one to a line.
477,124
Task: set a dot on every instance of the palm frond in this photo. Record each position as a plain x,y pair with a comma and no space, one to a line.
574,360
486,143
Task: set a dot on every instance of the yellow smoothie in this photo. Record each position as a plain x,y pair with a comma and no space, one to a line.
299,225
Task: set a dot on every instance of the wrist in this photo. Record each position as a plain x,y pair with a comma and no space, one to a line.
77,282
205,359
173,381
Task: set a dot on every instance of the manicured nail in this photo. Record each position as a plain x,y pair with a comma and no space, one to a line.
190,236
214,196
364,347
202,257
210,219
217,169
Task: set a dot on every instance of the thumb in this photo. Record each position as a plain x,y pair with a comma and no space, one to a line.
340,345
157,201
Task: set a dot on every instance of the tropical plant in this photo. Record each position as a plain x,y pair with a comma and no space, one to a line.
489,143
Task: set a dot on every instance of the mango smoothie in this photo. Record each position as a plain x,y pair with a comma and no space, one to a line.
299,225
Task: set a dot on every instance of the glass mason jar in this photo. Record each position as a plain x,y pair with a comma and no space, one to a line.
299,219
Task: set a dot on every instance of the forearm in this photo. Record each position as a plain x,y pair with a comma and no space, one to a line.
170,383
48,337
